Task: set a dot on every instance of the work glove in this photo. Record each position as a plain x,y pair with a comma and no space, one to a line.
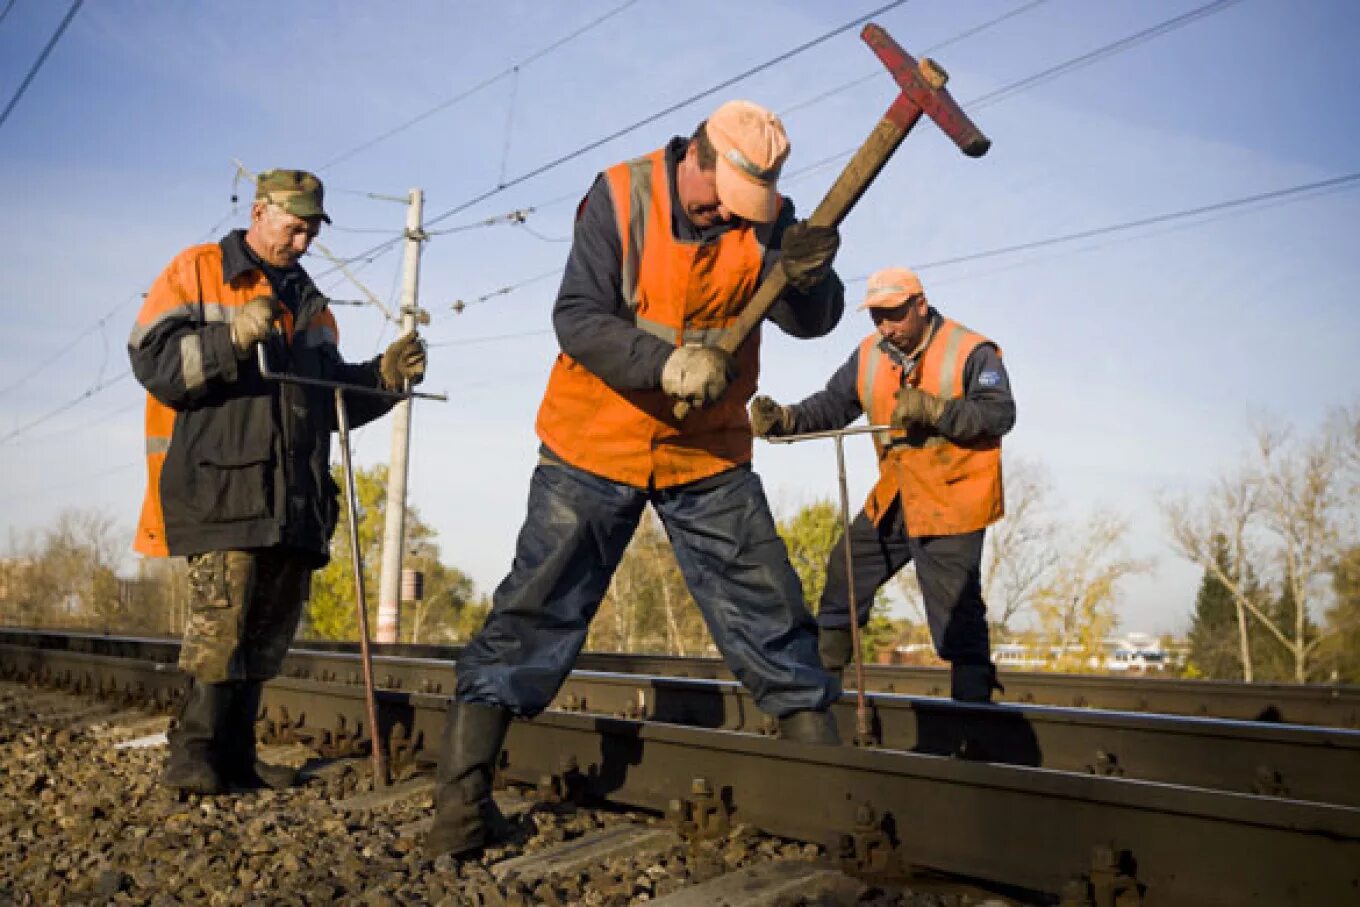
252,323
402,362
807,254
916,407
698,374
769,419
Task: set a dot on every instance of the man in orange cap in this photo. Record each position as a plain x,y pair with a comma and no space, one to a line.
668,249
939,486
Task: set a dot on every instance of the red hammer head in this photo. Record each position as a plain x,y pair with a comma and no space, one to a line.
923,91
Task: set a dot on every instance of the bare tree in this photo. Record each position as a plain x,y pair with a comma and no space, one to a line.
1020,549
1077,604
1282,512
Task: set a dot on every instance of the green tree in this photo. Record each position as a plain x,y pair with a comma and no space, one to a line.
449,607
811,535
1341,654
1213,631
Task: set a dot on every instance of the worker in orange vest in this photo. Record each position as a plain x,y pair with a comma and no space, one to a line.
238,468
944,387
668,249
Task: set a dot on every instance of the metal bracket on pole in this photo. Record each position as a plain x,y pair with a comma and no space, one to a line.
340,388
863,729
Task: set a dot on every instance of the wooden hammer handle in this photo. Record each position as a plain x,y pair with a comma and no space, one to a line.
839,199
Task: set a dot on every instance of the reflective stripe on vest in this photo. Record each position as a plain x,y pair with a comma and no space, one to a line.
682,292
945,488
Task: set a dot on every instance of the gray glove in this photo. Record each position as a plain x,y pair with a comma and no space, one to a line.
769,419
403,363
252,323
916,407
807,254
698,374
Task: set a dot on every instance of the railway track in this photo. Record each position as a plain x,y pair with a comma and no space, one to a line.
1178,810
1326,705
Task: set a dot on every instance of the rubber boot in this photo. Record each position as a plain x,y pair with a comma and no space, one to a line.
237,761
189,766
973,682
809,726
466,817
836,648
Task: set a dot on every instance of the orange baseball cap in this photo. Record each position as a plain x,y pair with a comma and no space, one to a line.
751,146
890,288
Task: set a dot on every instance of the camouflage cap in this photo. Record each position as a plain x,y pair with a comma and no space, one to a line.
295,191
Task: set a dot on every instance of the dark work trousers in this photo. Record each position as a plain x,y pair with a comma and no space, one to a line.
948,568
573,538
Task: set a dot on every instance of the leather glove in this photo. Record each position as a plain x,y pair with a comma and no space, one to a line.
769,419
808,251
252,323
403,361
916,407
698,374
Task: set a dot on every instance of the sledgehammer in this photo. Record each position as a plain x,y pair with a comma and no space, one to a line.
923,91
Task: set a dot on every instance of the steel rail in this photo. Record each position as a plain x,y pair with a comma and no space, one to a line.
1327,705
883,810
1293,761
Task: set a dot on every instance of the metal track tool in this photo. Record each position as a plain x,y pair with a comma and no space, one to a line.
863,730
340,388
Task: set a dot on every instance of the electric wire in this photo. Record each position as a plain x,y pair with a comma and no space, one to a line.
5,12
42,58
89,392
467,93
665,111
877,74
1007,91
1319,186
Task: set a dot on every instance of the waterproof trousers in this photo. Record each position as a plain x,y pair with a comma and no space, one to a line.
244,608
948,569
577,528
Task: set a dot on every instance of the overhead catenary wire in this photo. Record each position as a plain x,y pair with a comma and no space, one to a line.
665,111
42,58
1013,88
467,93
89,392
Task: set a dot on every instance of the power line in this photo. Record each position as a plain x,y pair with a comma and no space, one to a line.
5,12
89,392
665,111
1101,53
1334,183
877,74
42,58
467,93
1016,87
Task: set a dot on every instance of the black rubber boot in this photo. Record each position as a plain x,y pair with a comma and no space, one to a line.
973,683
237,762
836,649
466,818
190,766
809,726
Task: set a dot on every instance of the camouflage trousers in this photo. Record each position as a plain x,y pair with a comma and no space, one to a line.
244,609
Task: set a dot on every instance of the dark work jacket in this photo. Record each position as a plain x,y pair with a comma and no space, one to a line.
248,459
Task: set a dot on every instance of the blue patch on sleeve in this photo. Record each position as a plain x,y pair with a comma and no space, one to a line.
989,379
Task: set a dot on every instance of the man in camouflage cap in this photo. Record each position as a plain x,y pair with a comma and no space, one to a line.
238,468
295,191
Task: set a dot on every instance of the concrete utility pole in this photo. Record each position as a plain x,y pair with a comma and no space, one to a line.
394,533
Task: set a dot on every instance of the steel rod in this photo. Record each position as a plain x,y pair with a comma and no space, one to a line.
267,372
862,730
360,599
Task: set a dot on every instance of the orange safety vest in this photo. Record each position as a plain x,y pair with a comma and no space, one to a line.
682,292
946,488
192,288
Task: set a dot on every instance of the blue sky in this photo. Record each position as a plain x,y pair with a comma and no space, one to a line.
1138,358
